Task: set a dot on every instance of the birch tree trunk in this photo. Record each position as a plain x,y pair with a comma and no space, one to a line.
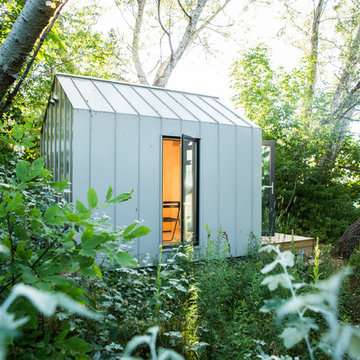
314,58
16,48
196,22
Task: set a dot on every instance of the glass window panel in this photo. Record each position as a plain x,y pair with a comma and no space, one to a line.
190,179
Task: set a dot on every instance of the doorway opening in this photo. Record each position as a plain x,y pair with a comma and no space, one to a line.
180,189
171,191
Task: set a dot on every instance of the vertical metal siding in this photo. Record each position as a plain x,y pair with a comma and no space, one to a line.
209,167
170,127
256,181
126,175
80,154
244,183
71,153
149,195
62,135
191,128
102,156
52,139
227,202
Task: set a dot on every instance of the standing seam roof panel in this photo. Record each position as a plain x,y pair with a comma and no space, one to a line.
92,95
124,98
135,100
235,117
72,93
158,105
120,105
188,104
180,110
199,101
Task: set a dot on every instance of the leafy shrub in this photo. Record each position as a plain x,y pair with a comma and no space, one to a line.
42,301
320,298
53,245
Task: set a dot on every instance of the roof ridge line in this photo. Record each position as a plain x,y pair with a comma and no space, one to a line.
132,84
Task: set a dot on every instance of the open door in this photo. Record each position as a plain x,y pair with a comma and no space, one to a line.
180,190
268,188
190,189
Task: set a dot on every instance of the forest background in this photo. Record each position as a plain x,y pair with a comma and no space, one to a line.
308,108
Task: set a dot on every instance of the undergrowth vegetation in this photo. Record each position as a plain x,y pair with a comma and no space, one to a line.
200,305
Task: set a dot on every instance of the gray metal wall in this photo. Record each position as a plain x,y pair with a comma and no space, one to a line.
124,151
56,137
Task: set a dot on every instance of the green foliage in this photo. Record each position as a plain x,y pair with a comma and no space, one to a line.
149,340
354,261
314,200
44,302
54,247
316,270
305,299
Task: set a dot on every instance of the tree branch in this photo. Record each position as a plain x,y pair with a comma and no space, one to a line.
135,43
166,69
44,35
34,17
183,9
165,31
314,57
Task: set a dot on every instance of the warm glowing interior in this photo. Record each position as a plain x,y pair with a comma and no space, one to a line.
171,190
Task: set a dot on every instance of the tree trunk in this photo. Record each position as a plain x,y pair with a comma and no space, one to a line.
17,46
314,59
348,241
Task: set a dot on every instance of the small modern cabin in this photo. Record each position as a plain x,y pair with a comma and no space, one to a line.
191,160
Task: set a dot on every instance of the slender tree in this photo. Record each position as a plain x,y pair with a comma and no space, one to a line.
179,22
19,43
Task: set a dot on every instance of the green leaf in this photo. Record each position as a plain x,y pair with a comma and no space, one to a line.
138,232
87,234
80,207
291,336
88,253
180,288
72,217
269,267
14,202
56,279
273,281
58,339
60,185
97,270
354,344
129,229
125,259
4,250
109,193
92,198
75,292
93,242
18,132
117,200
6,241
54,215
29,276
47,303
76,345
271,304
88,272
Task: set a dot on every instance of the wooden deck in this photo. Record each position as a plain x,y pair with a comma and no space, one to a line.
301,243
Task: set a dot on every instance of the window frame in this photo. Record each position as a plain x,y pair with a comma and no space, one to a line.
196,185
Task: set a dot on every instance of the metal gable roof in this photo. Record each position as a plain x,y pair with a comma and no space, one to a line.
124,98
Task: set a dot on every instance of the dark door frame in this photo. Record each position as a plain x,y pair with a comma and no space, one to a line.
196,168
271,188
